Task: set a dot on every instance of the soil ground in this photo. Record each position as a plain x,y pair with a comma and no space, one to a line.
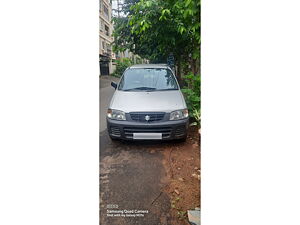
183,166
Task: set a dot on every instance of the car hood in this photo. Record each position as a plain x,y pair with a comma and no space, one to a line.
140,101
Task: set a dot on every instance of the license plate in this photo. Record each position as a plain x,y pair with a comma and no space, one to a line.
147,136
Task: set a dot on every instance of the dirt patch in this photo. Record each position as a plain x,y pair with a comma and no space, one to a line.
183,166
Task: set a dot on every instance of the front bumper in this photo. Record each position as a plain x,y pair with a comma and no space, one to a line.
169,129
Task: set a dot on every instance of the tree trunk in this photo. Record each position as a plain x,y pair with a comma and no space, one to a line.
194,66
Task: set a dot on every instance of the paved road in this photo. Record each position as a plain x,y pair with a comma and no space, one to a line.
131,175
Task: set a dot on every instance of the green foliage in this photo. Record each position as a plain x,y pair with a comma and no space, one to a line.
196,114
192,92
155,28
127,5
122,36
121,66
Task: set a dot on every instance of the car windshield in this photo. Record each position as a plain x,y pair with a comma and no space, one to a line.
148,79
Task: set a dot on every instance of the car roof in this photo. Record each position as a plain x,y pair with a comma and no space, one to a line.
165,66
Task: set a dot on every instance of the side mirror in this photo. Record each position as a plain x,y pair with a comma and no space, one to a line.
114,85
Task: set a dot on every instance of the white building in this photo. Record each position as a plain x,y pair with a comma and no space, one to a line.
106,56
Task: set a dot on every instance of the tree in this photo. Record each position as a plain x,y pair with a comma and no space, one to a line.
175,23
122,35
155,28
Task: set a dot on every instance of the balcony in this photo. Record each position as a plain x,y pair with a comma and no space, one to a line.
108,1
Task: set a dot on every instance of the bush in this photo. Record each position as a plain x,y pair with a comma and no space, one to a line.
192,92
121,66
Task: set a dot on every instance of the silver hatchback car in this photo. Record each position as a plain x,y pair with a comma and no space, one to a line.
147,105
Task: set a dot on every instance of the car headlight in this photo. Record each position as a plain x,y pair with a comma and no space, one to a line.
179,114
116,114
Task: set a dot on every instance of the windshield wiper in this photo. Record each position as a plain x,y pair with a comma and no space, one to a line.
168,89
141,88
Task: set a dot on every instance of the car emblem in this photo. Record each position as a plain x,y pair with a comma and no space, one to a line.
147,118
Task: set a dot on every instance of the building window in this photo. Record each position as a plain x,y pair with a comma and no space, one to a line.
105,10
101,25
103,45
108,47
106,30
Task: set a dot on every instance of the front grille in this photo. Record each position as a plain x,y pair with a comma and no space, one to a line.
165,131
115,131
180,131
147,116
